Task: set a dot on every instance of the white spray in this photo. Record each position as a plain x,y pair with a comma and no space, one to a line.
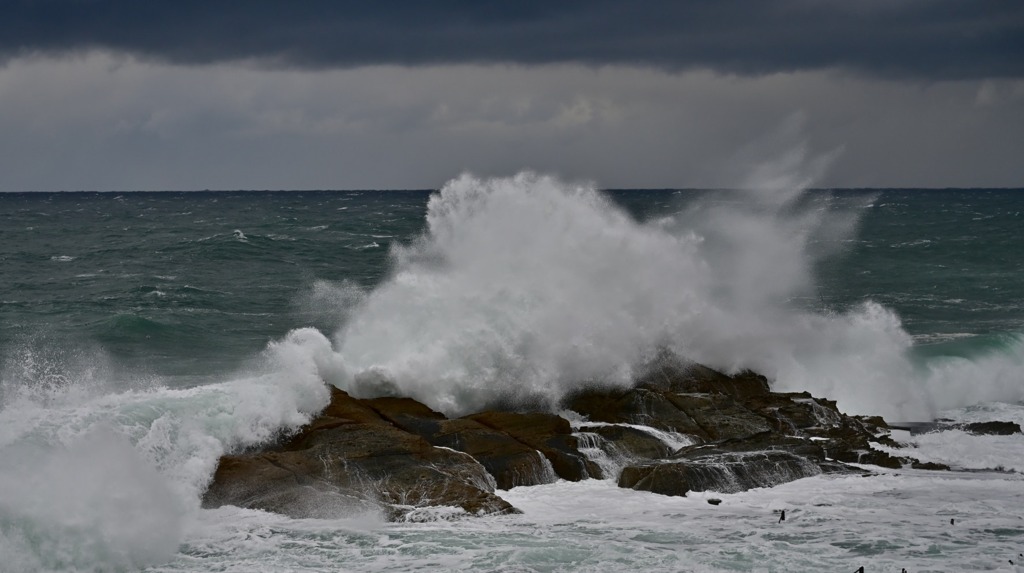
525,287
98,480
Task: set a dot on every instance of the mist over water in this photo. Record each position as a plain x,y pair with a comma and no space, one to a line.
520,289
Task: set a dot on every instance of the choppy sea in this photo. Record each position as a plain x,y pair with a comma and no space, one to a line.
142,335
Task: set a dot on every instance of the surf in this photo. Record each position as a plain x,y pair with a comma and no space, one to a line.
93,478
523,288
519,290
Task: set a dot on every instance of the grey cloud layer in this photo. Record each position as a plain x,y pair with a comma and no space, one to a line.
937,39
103,121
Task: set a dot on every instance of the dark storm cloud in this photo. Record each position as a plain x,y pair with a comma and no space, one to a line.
948,39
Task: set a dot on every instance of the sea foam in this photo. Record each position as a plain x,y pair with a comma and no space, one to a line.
93,479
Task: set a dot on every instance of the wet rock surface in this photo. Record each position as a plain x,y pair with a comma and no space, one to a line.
747,436
399,455
548,434
352,457
627,442
725,473
682,427
992,428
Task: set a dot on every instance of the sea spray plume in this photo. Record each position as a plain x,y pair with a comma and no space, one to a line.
779,166
761,240
328,304
993,375
41,367
761,243
520,289
524,287
74,492
764,247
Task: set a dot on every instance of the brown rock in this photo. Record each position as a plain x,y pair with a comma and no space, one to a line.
635,406
719,415
791,413
511,462
725,473
275,482
407,414
549,434
399,454
671,374
352,457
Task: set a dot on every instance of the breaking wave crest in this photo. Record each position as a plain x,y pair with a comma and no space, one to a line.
523,288
94,480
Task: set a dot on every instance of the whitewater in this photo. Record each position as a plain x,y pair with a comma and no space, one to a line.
145,335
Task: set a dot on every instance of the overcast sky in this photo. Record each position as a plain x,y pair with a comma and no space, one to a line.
155,94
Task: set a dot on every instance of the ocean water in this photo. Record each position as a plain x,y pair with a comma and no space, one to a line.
142,335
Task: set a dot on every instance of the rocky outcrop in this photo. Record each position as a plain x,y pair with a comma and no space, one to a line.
736,464
724,473
509,458
511,462
992,428
625,442
682,427
399,455
352,457
668,373
634,406
550,435
746,436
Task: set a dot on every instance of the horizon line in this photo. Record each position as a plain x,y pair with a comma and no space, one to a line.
432,189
